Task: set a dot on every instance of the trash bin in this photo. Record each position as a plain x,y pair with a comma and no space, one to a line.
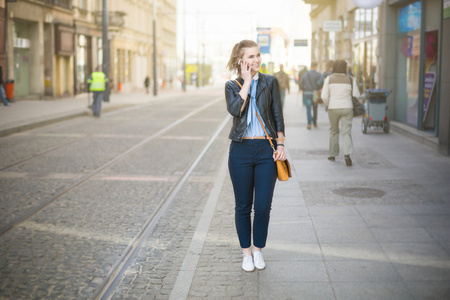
375,107
9,89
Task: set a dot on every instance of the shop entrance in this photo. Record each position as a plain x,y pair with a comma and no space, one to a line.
21,72
22,58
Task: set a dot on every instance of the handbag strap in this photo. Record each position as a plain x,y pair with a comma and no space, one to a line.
262,125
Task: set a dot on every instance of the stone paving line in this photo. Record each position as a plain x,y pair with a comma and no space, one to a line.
190,263
324,243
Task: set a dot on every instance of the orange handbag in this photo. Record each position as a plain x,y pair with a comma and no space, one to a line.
283,166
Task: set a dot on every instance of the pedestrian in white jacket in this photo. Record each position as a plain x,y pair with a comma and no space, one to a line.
337,94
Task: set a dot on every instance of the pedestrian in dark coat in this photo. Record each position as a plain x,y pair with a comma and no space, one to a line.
309,86
147,83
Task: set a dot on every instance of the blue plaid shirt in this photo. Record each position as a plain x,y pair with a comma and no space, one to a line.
253,125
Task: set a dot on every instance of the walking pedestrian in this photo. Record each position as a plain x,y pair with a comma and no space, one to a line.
309,86
337,94
2,90
97,82
283,84
147,83
251,160
264,69
328,71
300,75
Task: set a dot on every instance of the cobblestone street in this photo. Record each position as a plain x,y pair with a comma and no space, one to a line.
376,230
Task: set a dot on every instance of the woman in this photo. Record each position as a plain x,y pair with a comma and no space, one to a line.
337,94
251,161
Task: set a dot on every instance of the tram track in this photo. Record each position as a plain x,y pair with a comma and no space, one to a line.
29,213
85,136
22,161
115,276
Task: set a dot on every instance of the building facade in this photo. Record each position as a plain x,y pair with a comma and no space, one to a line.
52,46
398,46
40,48
132,44
3,38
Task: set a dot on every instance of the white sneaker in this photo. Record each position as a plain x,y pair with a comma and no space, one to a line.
259,260
247,263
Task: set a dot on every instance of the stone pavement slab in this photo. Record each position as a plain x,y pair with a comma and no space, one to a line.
377,230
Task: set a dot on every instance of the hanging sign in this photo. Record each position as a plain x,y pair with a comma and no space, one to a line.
300,43
332,26
430,80
263,41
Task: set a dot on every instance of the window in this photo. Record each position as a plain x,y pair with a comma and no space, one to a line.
408,64
82,4
331,45
81,62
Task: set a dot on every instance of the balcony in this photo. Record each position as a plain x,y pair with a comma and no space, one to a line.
67,4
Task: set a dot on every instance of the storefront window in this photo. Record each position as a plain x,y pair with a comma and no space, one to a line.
408,64
358,65
100,53
81,62
116,74
364,64
358,24
126,67
331,45
431,67
373,67
375,19
368,23
315,44
22,57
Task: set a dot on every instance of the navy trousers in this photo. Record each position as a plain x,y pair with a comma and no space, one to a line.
253,174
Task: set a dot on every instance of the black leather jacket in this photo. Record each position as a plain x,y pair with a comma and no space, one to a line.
268,103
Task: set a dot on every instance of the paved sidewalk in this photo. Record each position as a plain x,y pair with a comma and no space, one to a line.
376,230
27,114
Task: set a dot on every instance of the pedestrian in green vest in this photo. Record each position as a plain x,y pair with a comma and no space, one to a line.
97,83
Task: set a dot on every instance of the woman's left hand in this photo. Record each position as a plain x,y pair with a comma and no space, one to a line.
280,154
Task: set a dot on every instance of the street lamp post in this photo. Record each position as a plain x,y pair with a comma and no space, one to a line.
105,48
184,46
155,81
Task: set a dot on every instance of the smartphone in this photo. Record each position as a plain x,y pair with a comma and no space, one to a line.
239,61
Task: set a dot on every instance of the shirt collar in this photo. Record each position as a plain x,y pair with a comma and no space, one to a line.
256,77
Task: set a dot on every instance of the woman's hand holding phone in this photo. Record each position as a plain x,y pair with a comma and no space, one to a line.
245,71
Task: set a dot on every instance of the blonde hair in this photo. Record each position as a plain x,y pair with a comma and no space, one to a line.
237,53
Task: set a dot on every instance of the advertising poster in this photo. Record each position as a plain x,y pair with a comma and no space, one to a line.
430,80
409,17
